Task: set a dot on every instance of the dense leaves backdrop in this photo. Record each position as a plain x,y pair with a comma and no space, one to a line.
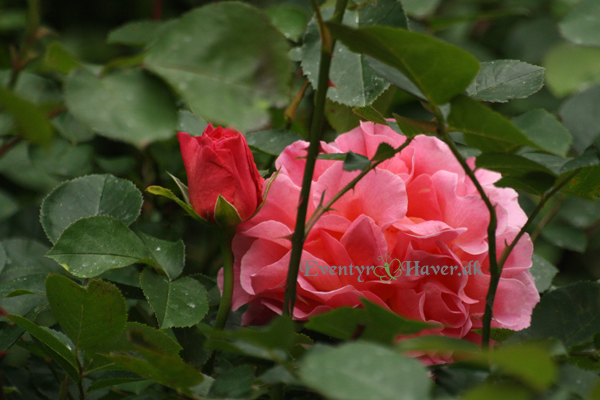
91,96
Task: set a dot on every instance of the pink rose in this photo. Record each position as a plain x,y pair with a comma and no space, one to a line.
220,163
418,206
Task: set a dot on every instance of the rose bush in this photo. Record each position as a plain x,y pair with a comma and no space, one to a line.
220,163
417,206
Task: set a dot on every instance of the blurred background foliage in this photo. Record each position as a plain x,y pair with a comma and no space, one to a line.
104,93
73,33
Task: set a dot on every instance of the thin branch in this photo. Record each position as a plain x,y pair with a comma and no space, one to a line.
290,111
545,197
323,209
495,270
327,46
56,376
157,10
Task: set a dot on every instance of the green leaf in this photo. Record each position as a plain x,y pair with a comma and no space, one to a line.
509,164
235,85
93,245
190,123
356,83
42,92
543,272
233,384
502,80
128,105
384,151
59,59
580,116
483,128
582,24
161,191
589,158
420,8
90,315
497,391
536,183
291,21
180,303
500,334
570,314
531,362
89,196
30,120
279,334
384,326
370,114
412,128
272,142
571,69
137,33
71,129
16,166
28,284
162,368
182,187
341,117
340,323
439,343
274,342
580,213
62,159
168,256
565,237
25,257
8,205
139,333
10,334
60,352
586,183
553,163
395,77
365,371
356,162
439,70
578,382
110,382
380,325
3,257
544,129
226,214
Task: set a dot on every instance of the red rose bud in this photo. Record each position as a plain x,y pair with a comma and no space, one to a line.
224,184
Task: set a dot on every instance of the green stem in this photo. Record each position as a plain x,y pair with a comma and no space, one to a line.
225,236
323,209
80,376
64,388
495,270
545,197
56,376
327,46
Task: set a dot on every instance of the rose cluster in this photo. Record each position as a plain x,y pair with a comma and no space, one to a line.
419,206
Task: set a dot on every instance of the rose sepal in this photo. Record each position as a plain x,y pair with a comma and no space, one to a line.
226,214
161,191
